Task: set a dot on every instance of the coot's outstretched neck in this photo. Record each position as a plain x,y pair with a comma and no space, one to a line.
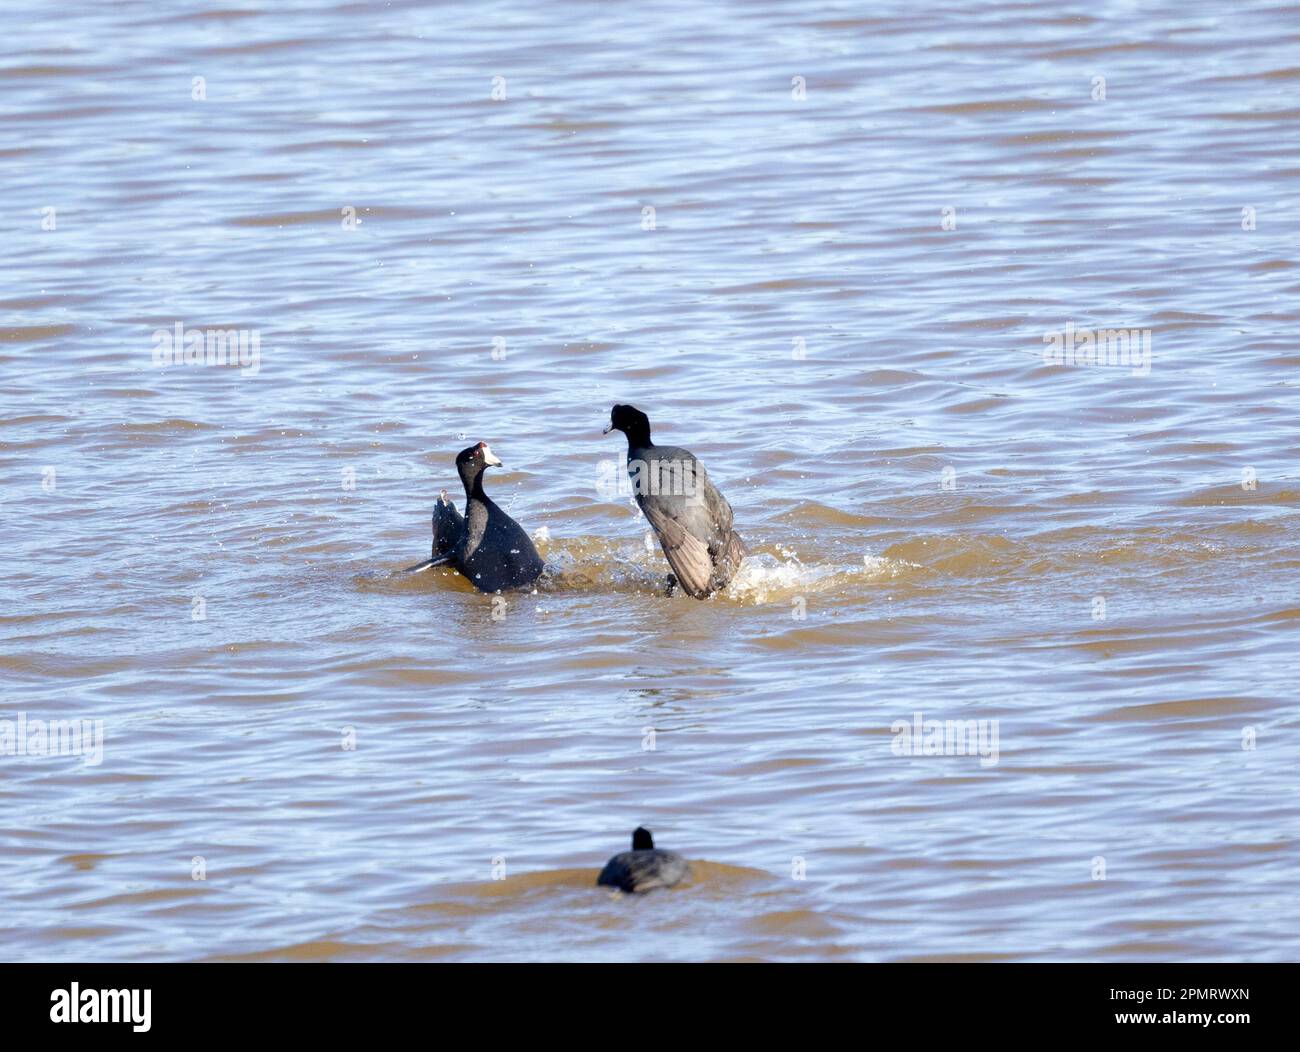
686,510
643,868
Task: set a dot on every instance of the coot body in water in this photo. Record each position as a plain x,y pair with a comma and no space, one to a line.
487,545
644,868
691,518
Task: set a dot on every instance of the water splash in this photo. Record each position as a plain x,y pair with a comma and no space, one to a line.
597,564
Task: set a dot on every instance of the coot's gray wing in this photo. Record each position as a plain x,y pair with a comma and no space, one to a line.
686,553
694,531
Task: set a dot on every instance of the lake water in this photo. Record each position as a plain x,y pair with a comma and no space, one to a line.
847,255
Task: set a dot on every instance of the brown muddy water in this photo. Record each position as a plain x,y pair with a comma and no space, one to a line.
847,254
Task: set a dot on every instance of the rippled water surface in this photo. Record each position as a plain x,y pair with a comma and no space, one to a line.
837,291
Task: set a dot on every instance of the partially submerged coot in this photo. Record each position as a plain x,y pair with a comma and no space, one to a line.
644,868
487,545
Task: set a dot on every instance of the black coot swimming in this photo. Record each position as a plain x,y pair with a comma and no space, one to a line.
690,517
487,545
645,867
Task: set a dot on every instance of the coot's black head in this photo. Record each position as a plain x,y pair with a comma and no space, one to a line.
641,839
631,421
471,462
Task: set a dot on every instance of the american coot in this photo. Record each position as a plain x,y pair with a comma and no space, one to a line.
645,867
691,518
487,545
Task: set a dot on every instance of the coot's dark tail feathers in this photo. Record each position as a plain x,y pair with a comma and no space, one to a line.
448,525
